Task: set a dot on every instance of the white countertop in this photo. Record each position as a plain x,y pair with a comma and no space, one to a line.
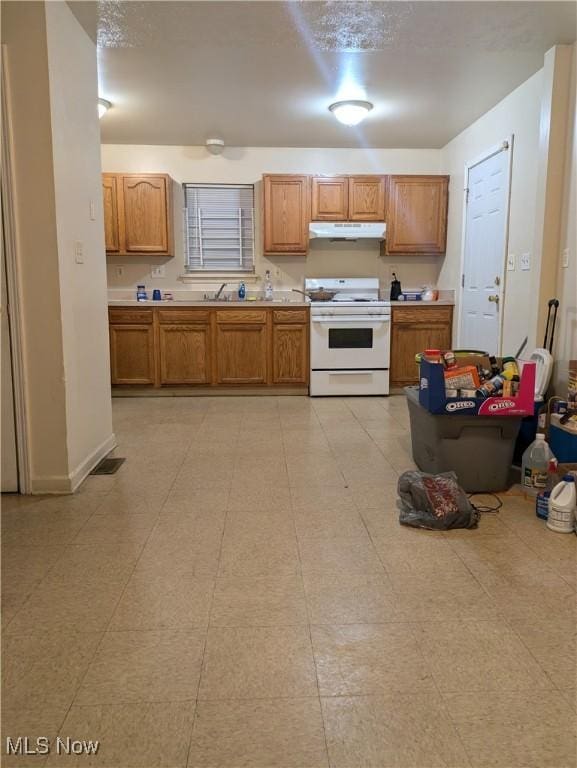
178,303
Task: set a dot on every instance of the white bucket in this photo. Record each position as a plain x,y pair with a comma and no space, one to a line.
562,506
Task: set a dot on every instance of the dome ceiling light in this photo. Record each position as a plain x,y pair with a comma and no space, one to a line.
103,107
350,112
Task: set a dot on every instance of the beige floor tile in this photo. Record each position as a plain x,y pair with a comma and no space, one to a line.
554,644
144,667
478,656
415,555
130,735
37,722
167,555
391,731
44,669
322,499
349,599
515,730
260,497
329,524
375,496
256,521
339,555
174,601
258,662
259,554
196,502
258,602
115,527
359,659
278,733
129,504
39,526
24,567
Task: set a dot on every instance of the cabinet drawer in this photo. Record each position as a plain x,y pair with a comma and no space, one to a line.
422,314
241,316
290,315
183,316
127,315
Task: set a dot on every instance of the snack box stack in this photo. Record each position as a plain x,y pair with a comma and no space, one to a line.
476,384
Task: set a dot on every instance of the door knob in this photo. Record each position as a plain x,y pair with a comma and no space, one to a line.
494,298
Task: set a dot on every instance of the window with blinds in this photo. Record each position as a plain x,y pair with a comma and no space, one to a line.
219,223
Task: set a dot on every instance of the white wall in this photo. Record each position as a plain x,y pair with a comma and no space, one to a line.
51,78
566,333
517,114
245,165
77,184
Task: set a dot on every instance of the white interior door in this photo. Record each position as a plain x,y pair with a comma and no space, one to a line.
486,220
9,453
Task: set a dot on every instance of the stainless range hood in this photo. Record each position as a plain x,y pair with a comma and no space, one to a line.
347,230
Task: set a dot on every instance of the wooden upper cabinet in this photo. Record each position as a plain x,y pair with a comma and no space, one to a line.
286,213
417,214
367,198
138,213
145,214
330,198
110,195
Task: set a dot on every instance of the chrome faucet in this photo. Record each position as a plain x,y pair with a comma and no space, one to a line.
220,290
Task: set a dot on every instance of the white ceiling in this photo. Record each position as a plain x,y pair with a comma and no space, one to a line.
264,73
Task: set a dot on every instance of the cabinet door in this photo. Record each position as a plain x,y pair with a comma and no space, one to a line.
110,198
241,353
417,214
286,214
132,354
408,339
330,198
290,357
144,219
185,354
366,198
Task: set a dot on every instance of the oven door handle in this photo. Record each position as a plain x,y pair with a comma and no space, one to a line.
352,319
360,372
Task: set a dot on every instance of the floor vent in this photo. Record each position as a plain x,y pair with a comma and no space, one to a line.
107,466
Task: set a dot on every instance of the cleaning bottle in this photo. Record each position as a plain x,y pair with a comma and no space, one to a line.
268,292
242,291
562,504
542,502
534,466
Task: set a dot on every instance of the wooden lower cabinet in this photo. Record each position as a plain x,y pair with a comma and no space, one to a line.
261,347
241,354
185,354
413,330
132,357
290,354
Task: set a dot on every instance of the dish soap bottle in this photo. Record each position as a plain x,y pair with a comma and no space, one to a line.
242,291
268,292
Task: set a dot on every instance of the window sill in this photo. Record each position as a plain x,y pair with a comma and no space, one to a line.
219,277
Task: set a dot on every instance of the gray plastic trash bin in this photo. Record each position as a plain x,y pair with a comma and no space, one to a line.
479,449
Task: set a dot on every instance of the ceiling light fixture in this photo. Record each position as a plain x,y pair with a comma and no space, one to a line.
350,112
215,146
103,107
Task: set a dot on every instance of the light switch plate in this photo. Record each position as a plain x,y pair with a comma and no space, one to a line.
79,252
511,260
565,258
119,270
159,271
525,262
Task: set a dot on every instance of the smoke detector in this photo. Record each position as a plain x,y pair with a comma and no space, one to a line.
215,146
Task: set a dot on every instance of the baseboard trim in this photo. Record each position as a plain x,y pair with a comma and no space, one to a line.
66,484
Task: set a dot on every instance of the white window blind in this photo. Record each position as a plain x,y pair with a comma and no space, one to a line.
219,227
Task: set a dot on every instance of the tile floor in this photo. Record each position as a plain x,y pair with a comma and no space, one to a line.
242,594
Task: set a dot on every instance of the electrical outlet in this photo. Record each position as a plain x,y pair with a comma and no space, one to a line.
525,262
159,271
119,270
79,252
277,272
511,260
565,258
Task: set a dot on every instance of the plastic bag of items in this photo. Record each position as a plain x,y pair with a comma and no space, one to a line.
436,502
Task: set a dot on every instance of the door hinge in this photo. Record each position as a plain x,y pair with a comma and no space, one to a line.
466,195
463,280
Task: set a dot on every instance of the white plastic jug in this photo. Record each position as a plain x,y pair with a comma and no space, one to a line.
535,466
562,503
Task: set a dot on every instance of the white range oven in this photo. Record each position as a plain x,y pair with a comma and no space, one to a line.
350,338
